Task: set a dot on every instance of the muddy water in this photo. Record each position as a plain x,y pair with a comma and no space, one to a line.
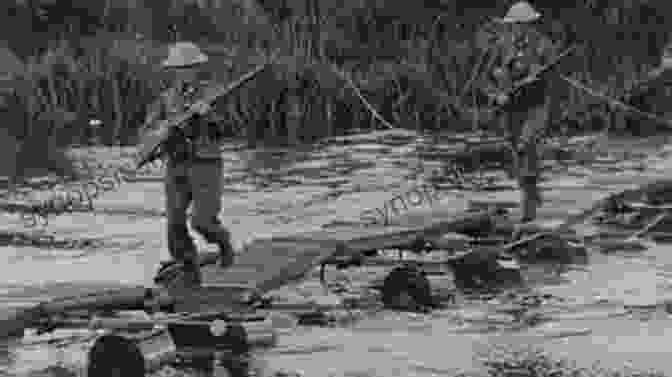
590,317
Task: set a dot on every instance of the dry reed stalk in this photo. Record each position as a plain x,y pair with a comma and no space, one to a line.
118,112
330,117
369,107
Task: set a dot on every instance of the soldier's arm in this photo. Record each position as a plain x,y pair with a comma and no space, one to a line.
545,50
213,117
155,111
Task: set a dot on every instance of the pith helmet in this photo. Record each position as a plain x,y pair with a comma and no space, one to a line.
521,11
183,54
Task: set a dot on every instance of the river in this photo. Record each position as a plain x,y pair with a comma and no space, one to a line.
278,191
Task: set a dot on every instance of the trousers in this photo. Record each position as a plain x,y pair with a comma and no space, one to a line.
195,183
523,129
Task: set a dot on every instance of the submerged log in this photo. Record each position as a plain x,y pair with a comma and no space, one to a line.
551,248
115,355
482,269
407,288
13,322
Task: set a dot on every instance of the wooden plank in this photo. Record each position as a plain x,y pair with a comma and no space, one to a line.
358,239
350,241
268,264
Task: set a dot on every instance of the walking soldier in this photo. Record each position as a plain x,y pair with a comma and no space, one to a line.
517,52
193,164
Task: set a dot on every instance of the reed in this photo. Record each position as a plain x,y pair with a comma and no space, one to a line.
411,69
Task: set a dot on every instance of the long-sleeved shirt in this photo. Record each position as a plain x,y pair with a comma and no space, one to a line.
514,54
202,132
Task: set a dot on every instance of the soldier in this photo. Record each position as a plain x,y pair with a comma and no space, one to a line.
518,50
193,164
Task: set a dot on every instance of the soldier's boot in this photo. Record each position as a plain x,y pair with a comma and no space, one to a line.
183,269
226,252
179,273
191,274
221,237
530,199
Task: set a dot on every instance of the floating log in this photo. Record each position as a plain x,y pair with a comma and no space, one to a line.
480,268
133,298
131,355
125,324
188,333
18,206
652,224
634,195
645,206
407,288
115,355
14,322
486,204
238,337
660,236
623,245
385,262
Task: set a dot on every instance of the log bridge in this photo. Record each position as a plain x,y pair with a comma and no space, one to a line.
227,311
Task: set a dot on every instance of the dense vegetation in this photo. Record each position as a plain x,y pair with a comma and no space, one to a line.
98,59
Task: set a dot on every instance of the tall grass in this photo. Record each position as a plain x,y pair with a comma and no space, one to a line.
411,68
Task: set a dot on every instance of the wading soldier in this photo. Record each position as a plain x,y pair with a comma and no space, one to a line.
193,164
517,51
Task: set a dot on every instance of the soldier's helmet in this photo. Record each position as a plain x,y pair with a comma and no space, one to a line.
520,12
184,54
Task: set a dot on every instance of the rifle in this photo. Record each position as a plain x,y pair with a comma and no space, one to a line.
533,77
148,148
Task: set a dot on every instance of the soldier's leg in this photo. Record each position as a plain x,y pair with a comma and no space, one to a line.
529,198
178,198
530,169
180,244
509,124
206,179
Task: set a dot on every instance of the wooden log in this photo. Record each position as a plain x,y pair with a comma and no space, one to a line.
645,206
657,220
114,354
353,240
660,236
14,322
17,206
386,262
134,298
634,194
487,204
133,355
627,245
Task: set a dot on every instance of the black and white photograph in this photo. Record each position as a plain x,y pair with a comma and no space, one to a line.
335,188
